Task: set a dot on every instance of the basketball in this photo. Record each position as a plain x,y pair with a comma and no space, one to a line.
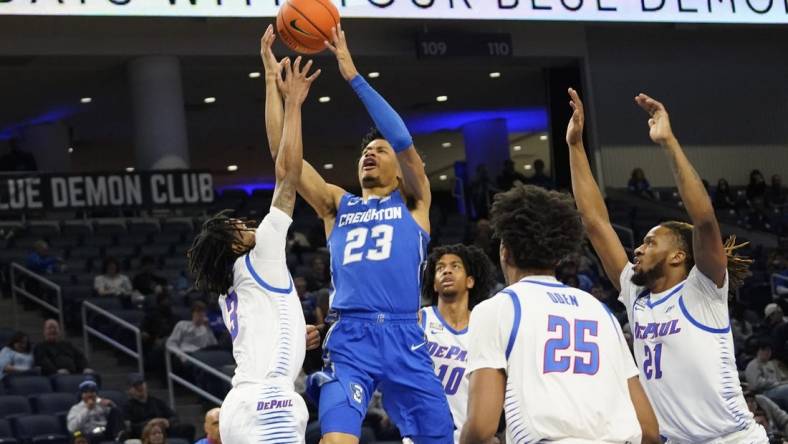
303,25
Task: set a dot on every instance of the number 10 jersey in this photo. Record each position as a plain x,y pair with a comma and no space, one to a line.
377,250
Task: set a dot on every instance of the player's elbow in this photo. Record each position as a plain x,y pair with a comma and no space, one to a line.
650,435
472,434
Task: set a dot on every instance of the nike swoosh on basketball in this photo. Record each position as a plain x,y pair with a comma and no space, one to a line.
416,346
295,26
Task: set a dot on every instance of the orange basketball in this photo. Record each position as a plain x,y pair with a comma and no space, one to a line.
303,25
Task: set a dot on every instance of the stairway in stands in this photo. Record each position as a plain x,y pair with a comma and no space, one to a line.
112,366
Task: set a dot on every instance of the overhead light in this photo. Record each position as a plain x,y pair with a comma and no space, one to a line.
446,144
443,177
529,166
543,137
129,169
495,75
373,75
209,100
254,74
517,148
70,149
86,100
328,166
442,98
324,99
232,167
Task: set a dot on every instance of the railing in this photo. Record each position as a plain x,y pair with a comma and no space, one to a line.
17,289
627,236
172,377
88,330
774,281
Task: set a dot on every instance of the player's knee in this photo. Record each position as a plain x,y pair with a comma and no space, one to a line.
339,438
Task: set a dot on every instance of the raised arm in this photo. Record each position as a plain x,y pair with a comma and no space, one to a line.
289,161
312,187
589,199
707,245
387,121
485,403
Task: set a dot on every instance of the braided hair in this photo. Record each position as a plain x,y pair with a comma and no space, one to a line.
477,265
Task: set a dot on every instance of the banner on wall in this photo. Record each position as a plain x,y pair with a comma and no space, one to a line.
23,192
677,11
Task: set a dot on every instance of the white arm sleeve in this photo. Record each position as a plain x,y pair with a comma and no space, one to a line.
269,258
487,343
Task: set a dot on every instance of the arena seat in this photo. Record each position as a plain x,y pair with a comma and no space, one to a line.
53,403
27,385
6,434
14,405
70,383
40,429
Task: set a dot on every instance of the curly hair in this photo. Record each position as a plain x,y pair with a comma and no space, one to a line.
538,227
738,266
211,256
477,265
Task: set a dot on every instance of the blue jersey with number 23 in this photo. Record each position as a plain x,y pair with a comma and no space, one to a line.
377,250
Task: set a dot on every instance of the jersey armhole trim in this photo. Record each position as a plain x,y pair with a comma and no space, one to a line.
698,324
515,324
263,283
423,319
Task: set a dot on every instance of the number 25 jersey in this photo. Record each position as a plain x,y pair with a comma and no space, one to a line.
377,250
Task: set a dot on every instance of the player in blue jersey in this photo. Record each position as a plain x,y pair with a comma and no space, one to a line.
377,242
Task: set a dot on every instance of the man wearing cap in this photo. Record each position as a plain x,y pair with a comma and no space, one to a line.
141,408
211,428
764,376
93,416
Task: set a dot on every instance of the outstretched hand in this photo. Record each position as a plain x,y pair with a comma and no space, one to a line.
574,130
312,337
338,46
294,83
659,121
271,65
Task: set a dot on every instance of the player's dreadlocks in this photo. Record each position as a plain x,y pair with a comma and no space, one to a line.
211,256
477,265
539,227
738,266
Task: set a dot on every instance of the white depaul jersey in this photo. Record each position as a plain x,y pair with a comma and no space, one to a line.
566,362
684,350
448,349
262,310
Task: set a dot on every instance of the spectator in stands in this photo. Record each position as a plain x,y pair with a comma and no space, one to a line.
141,408
95,417
155,432
16,159
111,282
42,261
156,327
723,197
318,276
777,325
764,376
190,336
55,355
509,176
211,428
639,185
78,438
147,281
16,357
482,190
777,196
539,177
772,417
757,186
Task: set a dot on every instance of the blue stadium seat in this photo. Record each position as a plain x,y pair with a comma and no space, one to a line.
53,403
5,335
133,239
27,385
177,441
70,383
40,428
14,405
6,434
154,250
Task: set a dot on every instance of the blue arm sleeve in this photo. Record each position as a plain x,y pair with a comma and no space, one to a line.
388,122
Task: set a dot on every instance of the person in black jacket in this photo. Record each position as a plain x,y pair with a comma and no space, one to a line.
141,408
55,355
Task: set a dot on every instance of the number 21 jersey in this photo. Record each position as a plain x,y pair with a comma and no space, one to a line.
377,250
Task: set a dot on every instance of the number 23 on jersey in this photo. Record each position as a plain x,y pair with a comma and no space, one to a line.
356,244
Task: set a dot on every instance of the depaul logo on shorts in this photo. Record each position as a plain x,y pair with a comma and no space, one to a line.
358,392
274,404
